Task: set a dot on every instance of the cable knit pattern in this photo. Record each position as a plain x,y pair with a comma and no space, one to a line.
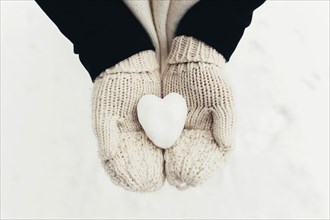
128,156
195,70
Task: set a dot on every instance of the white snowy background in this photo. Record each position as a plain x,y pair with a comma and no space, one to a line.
280,166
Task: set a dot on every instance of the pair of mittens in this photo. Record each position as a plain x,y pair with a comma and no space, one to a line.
195,71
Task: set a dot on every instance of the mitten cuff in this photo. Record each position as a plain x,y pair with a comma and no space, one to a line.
140,62
186,49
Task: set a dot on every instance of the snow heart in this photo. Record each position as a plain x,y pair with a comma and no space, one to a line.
162,119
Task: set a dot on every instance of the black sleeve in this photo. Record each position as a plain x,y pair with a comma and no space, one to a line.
103,32
218,23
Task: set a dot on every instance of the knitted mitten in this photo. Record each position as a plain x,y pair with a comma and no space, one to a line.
128,156
195,70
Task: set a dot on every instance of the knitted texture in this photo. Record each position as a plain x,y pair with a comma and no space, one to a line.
128,156
195,70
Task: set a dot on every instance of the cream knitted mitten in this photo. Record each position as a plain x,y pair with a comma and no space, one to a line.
128,156
195,70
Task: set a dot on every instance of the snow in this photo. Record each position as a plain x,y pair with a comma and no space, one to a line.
280,165
162,119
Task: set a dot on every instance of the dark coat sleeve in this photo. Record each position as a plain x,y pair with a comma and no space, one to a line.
218,23
103,32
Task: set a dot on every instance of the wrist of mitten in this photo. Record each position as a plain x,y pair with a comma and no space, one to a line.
187,49
140,62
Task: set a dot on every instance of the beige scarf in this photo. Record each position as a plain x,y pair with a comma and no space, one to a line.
160,19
